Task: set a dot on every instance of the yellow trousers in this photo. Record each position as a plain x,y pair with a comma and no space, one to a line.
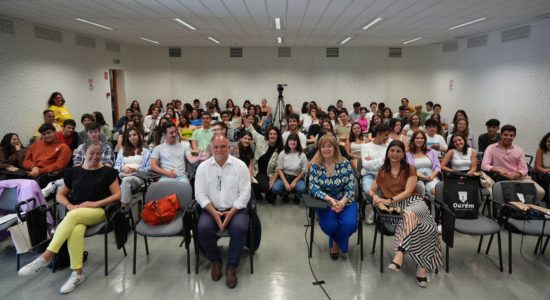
72,230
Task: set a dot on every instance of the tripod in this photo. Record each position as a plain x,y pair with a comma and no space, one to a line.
280,108
279,113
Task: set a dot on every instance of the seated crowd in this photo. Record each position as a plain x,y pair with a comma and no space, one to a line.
237,150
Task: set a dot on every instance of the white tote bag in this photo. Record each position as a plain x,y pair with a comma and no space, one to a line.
20,236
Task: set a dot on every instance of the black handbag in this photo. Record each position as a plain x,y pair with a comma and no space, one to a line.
520,192
462,196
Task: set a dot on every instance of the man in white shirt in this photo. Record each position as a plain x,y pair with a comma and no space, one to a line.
354,115
373,109
293,126
372,156
222,189
434,140
168,158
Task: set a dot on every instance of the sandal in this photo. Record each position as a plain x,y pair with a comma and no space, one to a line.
421,281
394,266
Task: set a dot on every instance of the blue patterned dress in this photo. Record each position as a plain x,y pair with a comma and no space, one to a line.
338,226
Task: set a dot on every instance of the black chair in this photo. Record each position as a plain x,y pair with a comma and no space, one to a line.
529,226
385,223
481,226
177,227
312,203
253,228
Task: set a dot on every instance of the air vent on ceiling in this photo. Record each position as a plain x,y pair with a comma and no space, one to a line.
47,34
174,52
113,47
283,51
523,32
6,26
85,41
333,52
450,46
395,52
477,41
235,52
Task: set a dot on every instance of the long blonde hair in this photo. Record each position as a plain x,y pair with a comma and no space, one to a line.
328,139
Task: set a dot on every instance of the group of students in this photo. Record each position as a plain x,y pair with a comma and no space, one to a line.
390,152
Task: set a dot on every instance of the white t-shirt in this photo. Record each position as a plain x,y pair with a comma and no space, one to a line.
172,157
303,140
437,139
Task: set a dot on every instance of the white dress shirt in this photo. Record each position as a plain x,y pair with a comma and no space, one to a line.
224,186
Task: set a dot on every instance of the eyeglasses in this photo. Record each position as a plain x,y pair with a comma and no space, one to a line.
219,183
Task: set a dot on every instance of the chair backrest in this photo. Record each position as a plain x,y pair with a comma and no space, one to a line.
498,194
8,199
183,191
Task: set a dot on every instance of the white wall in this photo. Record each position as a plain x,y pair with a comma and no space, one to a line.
504,80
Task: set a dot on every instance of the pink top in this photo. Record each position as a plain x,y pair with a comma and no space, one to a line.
511,159
364,123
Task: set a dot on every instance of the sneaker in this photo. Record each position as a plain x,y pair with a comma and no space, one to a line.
49,189
439,229
71,283
34,267
370,216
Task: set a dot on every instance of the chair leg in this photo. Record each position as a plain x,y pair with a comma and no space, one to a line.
376,223
312,224
545,244
251,254
489,244
19,261
106,253
135,250
480,243
381,252
499,252
196,246
538,244
124,250
146,245
446,258
360,236
509,252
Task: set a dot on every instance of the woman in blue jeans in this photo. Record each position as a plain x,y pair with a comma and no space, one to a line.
291,168
331,179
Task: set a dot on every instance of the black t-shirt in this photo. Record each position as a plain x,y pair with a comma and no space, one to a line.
485,141
89,185
263,161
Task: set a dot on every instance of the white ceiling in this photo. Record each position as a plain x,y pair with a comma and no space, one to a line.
250,22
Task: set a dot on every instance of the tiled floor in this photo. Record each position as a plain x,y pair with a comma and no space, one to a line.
282,270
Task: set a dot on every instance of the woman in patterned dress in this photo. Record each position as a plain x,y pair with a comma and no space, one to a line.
416,234
331,179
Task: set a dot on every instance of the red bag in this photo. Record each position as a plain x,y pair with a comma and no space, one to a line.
161,211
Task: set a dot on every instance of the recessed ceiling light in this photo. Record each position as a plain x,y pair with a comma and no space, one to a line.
277,23
345,40
372,23
413,40
279,40
467,23
213,40
184,24
148,40
95,24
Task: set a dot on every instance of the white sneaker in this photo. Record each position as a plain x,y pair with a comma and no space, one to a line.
439,229
49,189
33,267
370,216
71,283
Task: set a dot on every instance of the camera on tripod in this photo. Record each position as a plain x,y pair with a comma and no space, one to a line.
280,89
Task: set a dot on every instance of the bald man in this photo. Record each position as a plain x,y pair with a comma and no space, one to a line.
222,189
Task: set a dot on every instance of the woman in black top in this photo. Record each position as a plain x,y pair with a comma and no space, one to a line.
87,189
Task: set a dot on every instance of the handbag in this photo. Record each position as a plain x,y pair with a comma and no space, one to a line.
20,237
161,211
517,193
462,196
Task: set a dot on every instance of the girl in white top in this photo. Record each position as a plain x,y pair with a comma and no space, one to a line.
291,167
463,158
395,133
133,157
462,126
354,143
414,125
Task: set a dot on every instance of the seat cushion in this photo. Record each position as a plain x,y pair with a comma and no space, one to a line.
530,227
480,226
173,228
94,229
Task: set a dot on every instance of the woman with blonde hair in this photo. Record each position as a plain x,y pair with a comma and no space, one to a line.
331,179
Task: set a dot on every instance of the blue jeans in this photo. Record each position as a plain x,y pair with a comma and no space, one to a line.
182,178
339,226
366,183
279,188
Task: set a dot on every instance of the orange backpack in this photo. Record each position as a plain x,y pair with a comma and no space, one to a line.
161,211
